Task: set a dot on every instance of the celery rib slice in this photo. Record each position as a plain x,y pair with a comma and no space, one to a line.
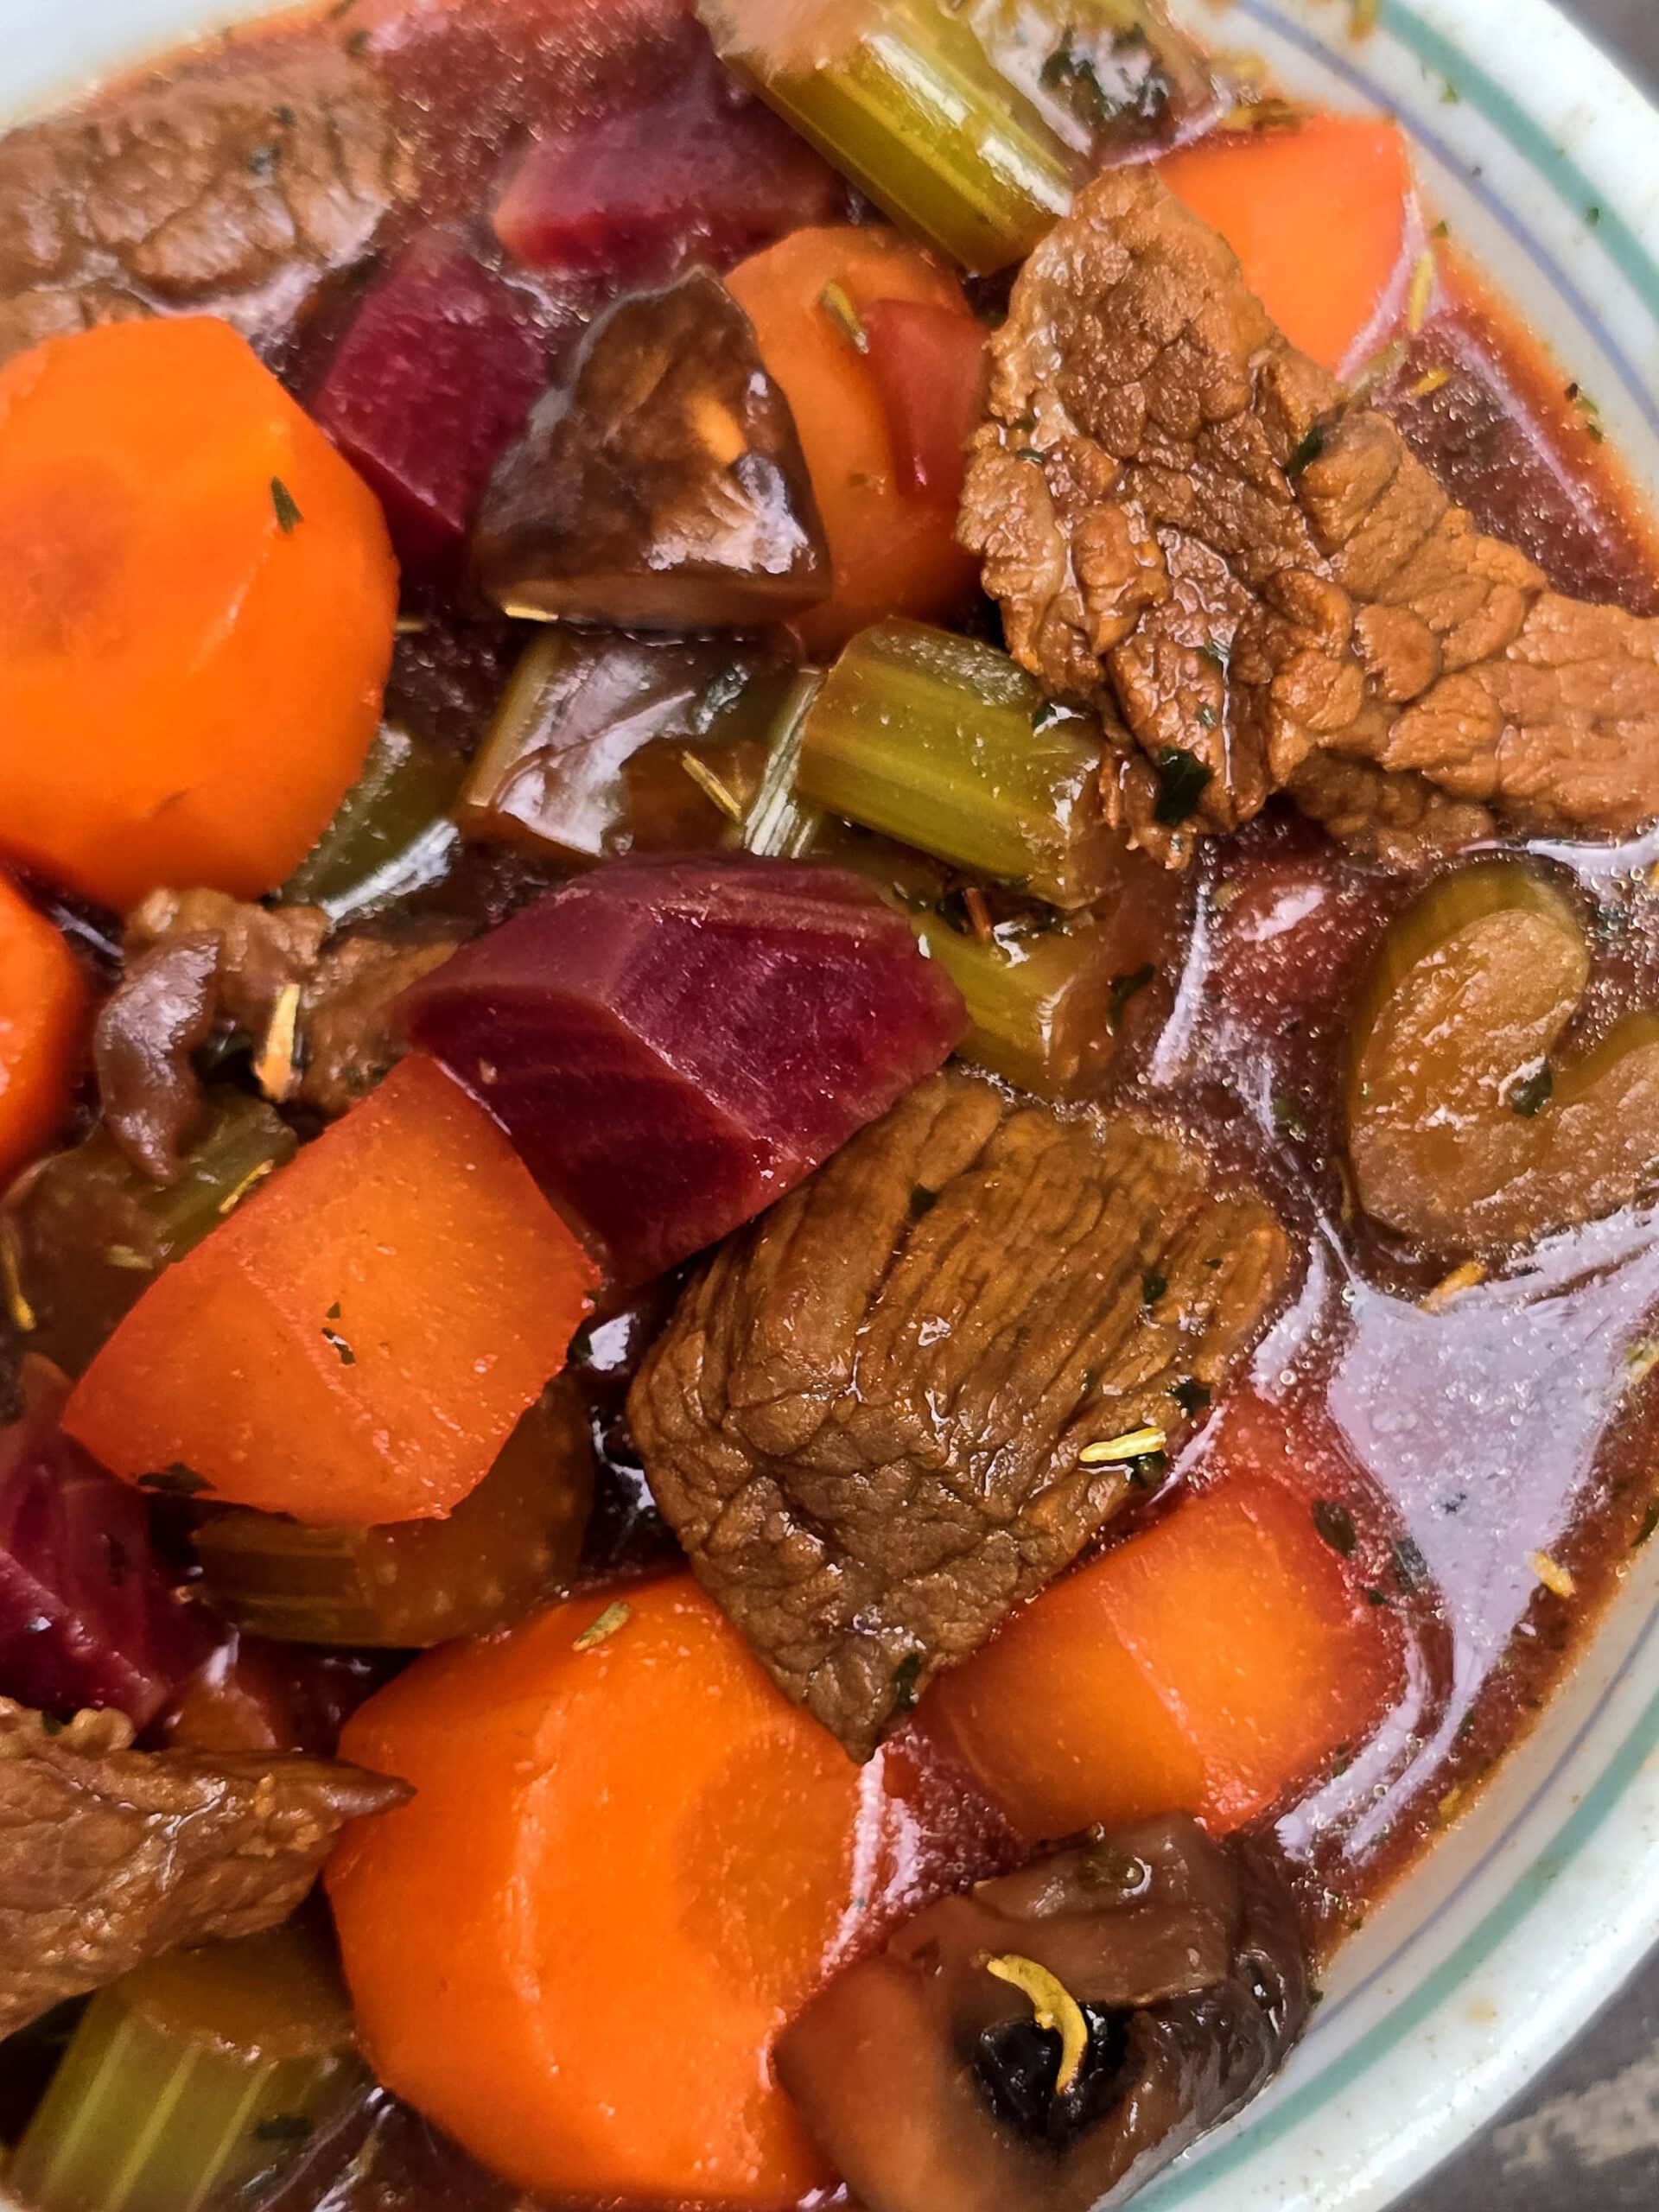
191,2080
946,745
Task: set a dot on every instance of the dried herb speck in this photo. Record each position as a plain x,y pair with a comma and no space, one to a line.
905,1675
1182,781
1190,1395
288,512
1336,1526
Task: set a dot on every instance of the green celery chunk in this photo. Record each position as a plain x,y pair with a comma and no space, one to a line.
946,745
89,1233
903,98
393,834
192,2082
1044,1007
970,122
511,1546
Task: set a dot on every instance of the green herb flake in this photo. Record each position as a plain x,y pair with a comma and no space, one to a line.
288,512
1125,988
1308,452
51,1725
1441,230
602,1629
1153,1286
337,1343
1206,717
1650,1522
176,1481
1182,781
283,2127
1046,716
1190,1395
837,303
1336,1527
1592,216
906,1676
1286,1116
1219,656
1410,1567
263,159
1377,1598
1532,1093
582,1346
1450,95
1075,76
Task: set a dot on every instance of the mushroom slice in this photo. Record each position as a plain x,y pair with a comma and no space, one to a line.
664,487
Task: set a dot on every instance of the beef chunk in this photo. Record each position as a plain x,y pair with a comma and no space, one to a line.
866,1420
1178,511
198,958
110,1856
935,2075
236,196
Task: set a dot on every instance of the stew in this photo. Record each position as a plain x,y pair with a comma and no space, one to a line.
829,1090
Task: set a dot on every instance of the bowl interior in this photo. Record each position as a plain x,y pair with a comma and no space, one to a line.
1536,1906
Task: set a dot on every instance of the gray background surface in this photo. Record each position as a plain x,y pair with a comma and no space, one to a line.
1586,2138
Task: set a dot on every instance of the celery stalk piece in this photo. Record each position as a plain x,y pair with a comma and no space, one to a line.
90,1233
945,744
391,834
901,96
779,825
192,2079
1042,1006
510,1546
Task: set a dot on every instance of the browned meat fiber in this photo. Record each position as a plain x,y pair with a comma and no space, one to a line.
196,959
1181,514
865,1420
110,1856
237,196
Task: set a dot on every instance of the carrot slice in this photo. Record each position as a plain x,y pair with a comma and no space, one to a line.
627,1866
198,616
1211,1666
894,550
1321,217
357,1341
43,1010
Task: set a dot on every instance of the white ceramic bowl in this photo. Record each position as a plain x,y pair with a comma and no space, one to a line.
1535,1909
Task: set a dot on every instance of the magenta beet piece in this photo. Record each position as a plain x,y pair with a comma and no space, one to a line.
426,388
702,172
672,1045
87,1617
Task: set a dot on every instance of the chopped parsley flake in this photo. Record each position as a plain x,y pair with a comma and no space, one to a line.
1532,1093
1182,782
905,1675
1336,1526
288,512
1190,1395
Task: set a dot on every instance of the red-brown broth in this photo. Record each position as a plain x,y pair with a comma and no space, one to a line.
1491,1430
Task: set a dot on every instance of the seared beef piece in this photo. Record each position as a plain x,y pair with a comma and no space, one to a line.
196,958
110,1856
865,1421
237,196
665,487
1178,510
928,2081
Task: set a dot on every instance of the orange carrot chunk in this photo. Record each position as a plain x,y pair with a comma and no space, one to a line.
357,1341
894,549
1321,217
197,619
1211,1666
624,1869
44,1008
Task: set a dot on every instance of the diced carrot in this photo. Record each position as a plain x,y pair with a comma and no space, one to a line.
43,1018
1321,217
624,1869
357,1341
197,618
894,552
1211,1666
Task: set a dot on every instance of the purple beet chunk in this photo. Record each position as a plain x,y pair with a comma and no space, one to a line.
703,172
672,1045
426,388
87,1615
